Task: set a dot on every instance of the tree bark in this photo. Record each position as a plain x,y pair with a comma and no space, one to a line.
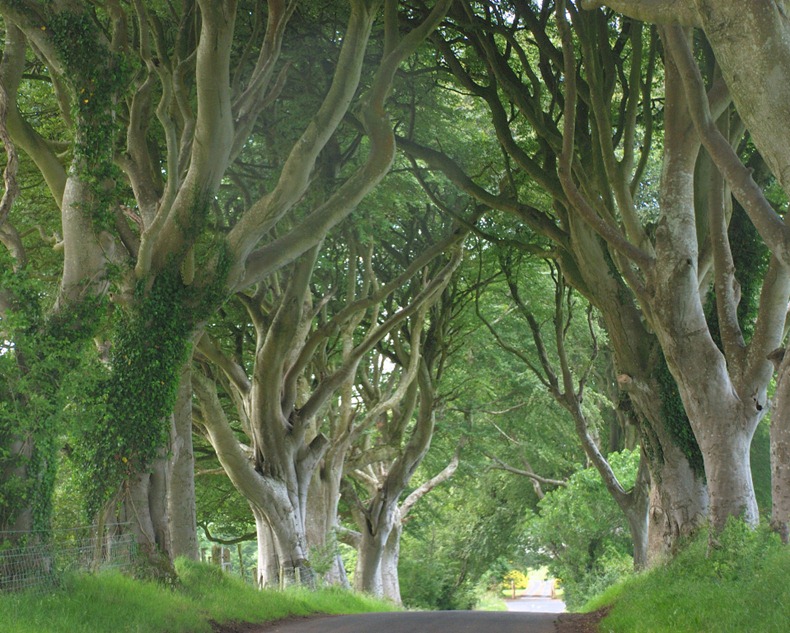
390,579
144,507
780,450
268,569
181,495
725,408
322,502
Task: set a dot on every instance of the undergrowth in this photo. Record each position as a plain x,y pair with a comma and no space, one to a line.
111,603
735,584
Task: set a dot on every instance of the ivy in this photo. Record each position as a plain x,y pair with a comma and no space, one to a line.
675,419
97,77
40,360
132,404
751,258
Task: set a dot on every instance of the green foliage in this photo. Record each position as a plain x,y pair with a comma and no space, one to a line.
760,460
581,534
129,406
40,358
515,578
738,584
110,603
462,539
675,418
97,77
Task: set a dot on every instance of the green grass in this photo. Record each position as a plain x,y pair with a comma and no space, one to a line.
490,601
112,603
739,587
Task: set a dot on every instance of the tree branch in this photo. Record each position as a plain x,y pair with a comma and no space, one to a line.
768,223
680,12
446,473
502,465
603,227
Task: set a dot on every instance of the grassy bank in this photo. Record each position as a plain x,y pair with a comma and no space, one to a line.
739,586
112,603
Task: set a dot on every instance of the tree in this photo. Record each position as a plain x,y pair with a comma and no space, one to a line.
568,386
579,532
508,62
280,403
160,102
741,53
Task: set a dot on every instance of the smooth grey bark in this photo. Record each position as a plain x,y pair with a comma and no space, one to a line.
268,568
725,408
182,512
276,508
380,515
390,581
322,502
595,172
780,448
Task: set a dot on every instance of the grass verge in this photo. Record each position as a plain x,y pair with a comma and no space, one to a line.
737,586
112,603
490,601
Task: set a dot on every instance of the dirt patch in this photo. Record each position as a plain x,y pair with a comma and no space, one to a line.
251,627
580,622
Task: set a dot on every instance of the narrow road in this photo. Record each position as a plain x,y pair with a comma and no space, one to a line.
423,622
532,604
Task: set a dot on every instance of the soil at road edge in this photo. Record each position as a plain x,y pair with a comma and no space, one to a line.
580,622
566,623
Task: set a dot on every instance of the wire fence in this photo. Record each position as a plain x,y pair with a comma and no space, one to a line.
41,563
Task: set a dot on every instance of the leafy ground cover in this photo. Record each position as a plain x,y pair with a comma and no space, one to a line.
736,583
111,602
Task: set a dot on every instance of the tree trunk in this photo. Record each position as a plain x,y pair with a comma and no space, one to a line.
17,515
145,508
389,565
723,390
367,577
291,542
322,501
181,496
780,451
681,503
638,514
268,571
729,473
678,503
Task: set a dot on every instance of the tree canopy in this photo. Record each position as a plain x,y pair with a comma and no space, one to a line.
542,237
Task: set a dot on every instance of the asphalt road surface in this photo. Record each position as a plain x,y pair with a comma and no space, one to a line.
423,622
538,604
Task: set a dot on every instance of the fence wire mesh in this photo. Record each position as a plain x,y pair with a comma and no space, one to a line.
44,559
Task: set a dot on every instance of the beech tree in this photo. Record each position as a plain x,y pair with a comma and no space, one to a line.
160,101
510,64
749,40
280,403
549,358
381,465
726,410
